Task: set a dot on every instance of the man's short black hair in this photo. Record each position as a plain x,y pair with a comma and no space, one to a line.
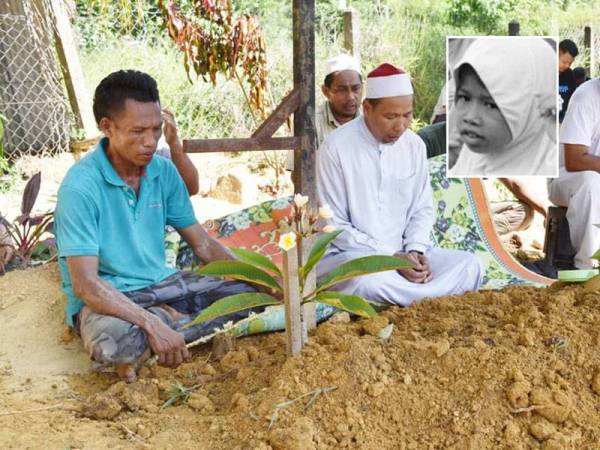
568,46
111,93
329,79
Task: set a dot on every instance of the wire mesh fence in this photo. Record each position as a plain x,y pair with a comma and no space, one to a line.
33,104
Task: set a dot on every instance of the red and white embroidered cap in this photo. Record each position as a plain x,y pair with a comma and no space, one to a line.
388,81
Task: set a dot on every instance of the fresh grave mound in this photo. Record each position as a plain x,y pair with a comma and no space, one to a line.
514,369
510,369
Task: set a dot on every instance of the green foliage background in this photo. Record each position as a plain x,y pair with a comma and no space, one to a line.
407,33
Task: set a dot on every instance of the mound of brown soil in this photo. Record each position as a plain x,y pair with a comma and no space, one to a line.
512,369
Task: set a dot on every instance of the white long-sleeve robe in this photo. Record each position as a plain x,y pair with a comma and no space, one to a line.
580,191
381,197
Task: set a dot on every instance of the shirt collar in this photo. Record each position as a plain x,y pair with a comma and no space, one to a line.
109,173
330,118
367,133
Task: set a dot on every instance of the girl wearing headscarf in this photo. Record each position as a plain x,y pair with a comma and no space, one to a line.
505,108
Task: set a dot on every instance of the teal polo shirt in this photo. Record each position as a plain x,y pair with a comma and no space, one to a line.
98,214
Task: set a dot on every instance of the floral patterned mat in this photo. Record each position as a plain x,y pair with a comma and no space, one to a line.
463,223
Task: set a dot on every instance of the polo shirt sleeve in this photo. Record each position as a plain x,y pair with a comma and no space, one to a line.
180,212
76,223
580,120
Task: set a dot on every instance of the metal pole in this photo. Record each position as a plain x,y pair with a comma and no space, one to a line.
304,175
513,28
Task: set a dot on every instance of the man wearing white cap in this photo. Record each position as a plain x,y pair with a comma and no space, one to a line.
373,174
342,89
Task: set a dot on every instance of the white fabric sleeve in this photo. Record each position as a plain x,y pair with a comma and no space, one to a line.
420,218
331,191
578,124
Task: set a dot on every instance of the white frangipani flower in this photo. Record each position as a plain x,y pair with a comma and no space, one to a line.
287,241
300,200
329,228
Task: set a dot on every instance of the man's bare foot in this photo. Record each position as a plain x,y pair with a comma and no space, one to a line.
128,372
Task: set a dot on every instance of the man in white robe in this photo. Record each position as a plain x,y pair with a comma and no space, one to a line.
342,89
373,174
578,184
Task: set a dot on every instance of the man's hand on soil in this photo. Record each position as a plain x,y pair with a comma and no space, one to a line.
421,272
167,344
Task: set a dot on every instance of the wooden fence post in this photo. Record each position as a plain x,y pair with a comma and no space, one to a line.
352,32
588,43
304,174
68,55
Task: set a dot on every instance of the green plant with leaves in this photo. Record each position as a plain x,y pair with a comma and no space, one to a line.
25,233
256,268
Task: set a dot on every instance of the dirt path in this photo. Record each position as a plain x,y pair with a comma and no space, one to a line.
517,369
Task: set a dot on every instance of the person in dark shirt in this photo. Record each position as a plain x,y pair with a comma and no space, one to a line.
434,136
567,52
580,76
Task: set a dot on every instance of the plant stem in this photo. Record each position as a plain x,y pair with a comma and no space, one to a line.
239,80
314,394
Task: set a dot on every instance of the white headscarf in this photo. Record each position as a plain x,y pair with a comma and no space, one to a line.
520,74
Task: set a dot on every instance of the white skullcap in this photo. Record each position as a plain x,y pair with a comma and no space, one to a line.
342,62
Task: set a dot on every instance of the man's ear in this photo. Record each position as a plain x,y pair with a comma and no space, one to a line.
325,91
105,126
367,107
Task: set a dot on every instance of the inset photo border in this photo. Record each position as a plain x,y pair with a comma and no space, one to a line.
502,102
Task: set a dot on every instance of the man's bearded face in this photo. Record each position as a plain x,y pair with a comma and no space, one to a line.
345,93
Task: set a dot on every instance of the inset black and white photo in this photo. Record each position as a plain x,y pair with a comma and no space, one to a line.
502,106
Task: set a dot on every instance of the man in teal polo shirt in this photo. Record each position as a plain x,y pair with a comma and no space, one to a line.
110,226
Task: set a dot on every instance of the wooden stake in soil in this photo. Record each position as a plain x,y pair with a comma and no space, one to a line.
291,297
309,310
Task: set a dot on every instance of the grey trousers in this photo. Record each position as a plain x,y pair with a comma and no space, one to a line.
110,340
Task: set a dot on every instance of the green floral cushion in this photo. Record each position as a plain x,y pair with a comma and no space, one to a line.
458,227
